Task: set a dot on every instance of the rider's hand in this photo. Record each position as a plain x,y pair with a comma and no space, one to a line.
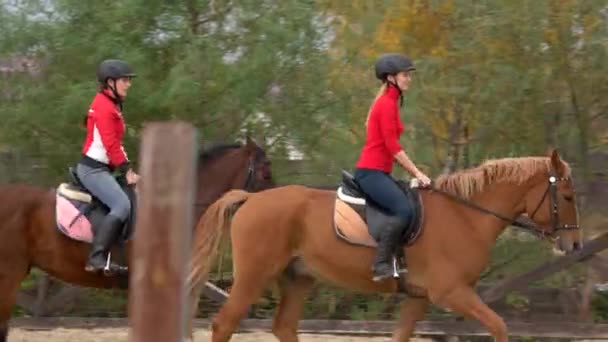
132,177
426,181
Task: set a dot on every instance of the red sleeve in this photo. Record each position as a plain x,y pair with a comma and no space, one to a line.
107,130
389,128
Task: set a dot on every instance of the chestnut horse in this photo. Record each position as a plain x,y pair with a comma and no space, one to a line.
29,236
289,234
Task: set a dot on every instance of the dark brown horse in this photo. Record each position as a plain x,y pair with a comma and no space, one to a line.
297,234
29,236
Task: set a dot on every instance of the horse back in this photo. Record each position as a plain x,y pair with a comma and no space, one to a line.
22,198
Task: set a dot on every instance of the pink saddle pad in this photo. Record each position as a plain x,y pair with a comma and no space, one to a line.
75,228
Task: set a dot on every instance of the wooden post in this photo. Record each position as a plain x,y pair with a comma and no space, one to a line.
157,293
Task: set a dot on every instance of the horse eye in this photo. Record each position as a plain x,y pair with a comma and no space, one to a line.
568,197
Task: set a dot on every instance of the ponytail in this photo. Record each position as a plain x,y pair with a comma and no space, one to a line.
378,94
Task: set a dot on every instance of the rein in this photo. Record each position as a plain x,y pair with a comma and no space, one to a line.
518,222
527,224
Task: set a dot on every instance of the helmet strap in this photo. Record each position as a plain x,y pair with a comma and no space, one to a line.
391,83
117,97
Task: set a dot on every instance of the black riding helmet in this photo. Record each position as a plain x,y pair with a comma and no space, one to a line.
392,64
113,69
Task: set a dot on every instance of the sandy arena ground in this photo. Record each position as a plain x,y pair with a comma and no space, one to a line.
121,335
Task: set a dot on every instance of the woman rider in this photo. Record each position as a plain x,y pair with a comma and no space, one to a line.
103,153
381,150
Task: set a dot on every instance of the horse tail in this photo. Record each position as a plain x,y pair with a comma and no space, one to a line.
209,232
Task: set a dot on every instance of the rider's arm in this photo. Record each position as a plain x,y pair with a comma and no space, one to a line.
407,164
388,125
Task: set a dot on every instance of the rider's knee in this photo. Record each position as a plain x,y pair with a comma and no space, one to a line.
405,214
122,209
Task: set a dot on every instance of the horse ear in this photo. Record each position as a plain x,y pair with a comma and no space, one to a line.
250,143
556,162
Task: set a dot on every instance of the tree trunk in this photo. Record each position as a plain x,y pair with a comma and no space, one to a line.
466,150
455,129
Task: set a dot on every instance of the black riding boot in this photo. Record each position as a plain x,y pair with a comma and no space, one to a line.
102,240
389,240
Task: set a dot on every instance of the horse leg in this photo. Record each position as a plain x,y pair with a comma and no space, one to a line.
9,286
194,300
412,310
245,291
253,273
465,301
294,289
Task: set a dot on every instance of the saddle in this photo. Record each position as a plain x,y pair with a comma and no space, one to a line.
358,220
78,214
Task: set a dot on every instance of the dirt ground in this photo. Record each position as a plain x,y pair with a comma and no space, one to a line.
121,335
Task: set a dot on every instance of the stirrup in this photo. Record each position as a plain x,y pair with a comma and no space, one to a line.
106,268
111,269
396,269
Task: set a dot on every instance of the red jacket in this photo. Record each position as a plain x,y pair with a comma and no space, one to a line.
105,130
383,131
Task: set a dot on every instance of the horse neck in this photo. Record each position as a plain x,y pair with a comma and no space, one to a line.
220,175
506,199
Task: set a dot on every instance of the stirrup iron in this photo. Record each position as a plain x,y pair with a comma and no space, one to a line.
106,269
396,269
114,269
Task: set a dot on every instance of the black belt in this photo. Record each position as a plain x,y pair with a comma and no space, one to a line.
90,162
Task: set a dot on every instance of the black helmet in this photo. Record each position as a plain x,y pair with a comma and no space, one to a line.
113,69
391,64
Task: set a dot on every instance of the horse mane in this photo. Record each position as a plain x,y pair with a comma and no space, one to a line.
215,150
468,182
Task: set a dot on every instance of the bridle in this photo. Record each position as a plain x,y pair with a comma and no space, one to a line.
251,171
552,192
250,179
527,224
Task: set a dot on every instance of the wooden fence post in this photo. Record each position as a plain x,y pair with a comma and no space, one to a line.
162,241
